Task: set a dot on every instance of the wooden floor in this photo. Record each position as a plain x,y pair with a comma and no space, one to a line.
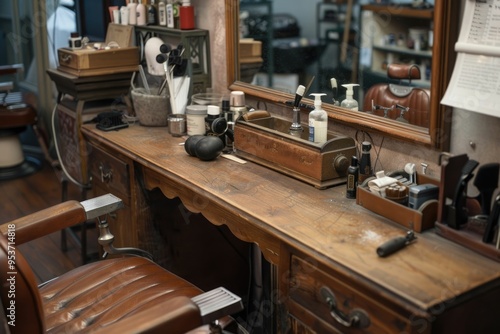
22,196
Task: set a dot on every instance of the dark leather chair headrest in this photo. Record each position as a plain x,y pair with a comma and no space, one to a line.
403,71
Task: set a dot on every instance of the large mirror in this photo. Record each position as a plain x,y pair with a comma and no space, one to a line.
440,60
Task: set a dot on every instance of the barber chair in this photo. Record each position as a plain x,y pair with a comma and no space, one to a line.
123,294
16,114
401,102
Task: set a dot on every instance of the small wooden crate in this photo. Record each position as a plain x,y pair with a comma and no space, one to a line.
417,220
89,61
250,48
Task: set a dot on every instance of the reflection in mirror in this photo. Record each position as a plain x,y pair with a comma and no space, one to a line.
284,45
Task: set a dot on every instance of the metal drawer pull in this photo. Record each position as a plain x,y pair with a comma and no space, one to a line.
66,58
105,177
356,318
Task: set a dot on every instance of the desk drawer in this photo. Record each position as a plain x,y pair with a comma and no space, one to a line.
111,173
308,285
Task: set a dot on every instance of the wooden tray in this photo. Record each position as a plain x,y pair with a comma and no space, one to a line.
468,238
416,220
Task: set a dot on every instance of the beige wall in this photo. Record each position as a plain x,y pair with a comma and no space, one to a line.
474,134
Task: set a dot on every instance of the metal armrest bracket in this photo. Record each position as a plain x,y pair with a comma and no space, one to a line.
102,205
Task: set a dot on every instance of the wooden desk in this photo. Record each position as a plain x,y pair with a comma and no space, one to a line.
315,238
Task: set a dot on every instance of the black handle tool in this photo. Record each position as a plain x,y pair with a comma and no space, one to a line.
486,182
489,231
396,244
457,211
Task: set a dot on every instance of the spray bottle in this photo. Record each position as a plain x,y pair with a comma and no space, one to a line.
350,102
318,121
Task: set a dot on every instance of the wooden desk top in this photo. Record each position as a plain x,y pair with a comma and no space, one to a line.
322,224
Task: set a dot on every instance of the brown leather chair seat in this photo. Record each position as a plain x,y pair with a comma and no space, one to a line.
101,293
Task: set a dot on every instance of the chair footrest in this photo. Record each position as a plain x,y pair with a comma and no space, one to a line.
6,86
217,303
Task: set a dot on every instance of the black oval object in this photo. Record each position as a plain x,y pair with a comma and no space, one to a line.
219,126
190,144
209,148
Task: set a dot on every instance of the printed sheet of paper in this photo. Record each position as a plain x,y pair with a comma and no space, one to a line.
475,82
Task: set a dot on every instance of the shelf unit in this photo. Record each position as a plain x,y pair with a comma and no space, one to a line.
378,49
330,27
267,38
197,48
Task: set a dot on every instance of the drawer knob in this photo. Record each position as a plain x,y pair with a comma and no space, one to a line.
357,318
105,176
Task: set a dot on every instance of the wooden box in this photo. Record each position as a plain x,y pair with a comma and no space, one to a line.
89,61
250,48
417,220
266,141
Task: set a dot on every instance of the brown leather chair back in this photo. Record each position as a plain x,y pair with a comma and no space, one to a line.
19,293
387,95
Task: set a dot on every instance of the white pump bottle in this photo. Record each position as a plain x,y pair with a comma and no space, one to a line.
350,102
318,121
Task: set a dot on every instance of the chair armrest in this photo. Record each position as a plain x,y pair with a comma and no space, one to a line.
60,216
11,69
173,316
46,221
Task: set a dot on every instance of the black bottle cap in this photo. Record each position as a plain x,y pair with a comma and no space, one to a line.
366,146
226,105
354,161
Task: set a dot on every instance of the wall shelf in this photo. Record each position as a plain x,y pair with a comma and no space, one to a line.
197,45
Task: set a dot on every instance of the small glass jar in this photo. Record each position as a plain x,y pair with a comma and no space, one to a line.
195,119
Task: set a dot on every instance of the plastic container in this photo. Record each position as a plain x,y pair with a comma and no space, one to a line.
132,12
151,110
141,14
195,119
162,13
350,102
318,121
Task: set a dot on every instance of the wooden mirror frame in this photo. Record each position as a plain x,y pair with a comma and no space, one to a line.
446,18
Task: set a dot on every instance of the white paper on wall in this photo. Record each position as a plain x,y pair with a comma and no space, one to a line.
475,82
